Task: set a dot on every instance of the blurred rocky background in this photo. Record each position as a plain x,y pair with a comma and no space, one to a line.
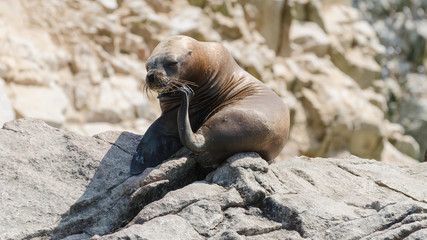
352,72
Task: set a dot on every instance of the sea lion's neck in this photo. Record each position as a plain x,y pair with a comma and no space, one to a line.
228,84
219,82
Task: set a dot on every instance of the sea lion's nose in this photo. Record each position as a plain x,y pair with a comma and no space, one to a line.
150,77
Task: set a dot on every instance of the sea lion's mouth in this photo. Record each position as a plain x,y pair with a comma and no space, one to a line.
174,86
167,90
165,93
172,92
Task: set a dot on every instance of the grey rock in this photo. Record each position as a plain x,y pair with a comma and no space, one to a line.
176,201
391,222
413,109
282,234
7,113
64,185
112,201
401,27
203,216
318,198
227,235
165,227
247,222
239,174
418,235
43,171
61,185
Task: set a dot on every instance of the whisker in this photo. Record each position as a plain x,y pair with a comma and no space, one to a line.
168,85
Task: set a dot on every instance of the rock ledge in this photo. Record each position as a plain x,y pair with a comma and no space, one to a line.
61,185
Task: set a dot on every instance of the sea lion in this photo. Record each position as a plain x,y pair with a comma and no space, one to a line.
210,105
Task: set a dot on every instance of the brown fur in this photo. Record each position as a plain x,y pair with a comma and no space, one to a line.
229,108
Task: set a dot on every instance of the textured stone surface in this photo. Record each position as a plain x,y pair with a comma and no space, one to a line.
63,185
43,172
7,113
301,198
164,227
80,65
46,103
402,29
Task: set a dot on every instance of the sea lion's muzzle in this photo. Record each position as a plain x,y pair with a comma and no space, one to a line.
150,78
156,80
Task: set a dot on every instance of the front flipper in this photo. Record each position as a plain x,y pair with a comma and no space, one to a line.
193,141
159,142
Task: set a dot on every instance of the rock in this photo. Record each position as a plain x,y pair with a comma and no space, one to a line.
109,4
121,198
402,218
198,3
186,22
84,64
46,103
226,27
176,201
354,44
392,154
362,68
116,100
337,120
75,187
7,113
376,99
191,21
248,222
338,19
43,172
202,215
367,140
400,27
82,213
273,21
91,129
160,228
404,143
227,235
418,54
413,109
303,200
307,10
93,178
308,37
249,58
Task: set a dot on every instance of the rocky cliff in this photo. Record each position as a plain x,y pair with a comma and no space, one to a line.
61,185
352,72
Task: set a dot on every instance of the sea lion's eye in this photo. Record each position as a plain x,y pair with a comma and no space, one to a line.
172,64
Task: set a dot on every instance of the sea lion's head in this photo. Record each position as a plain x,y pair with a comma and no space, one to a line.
172,64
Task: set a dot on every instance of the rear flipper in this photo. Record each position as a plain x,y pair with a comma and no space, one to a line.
156,146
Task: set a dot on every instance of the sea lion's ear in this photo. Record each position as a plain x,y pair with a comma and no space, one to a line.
190,52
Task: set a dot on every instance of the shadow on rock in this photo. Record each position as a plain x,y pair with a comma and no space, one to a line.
114,197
